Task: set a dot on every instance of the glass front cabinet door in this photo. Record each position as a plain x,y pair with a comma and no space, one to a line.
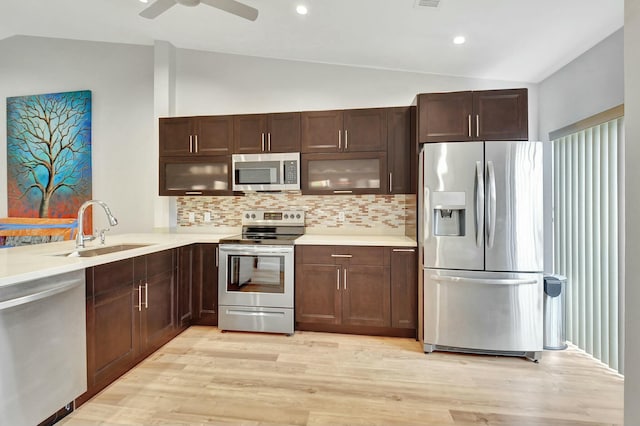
195,176
355,173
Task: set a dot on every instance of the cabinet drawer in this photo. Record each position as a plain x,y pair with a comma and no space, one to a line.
361,255
354,255
320,255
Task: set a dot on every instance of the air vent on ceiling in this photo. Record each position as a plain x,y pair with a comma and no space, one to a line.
427,3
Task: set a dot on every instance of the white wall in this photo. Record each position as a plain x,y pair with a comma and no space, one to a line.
632,209
121,80
590,84
125,81
216,83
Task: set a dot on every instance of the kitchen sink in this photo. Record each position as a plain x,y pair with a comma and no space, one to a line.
102,250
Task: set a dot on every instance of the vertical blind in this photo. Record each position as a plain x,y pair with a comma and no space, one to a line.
585,231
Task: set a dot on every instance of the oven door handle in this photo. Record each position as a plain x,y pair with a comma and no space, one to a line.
253,250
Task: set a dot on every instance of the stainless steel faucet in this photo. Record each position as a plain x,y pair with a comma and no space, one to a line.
80,237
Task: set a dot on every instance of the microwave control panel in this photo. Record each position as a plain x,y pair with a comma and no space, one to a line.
290,172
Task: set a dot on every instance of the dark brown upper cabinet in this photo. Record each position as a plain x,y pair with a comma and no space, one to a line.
401,149
257,133
469,116
206,135
501,114
355,130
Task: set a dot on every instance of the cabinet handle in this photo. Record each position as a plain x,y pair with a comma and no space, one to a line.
390,182
139,298
217,258
146,295
469,117
269,141
405,250
346,140
339,140
196,141
477,125
263,142
342,255
345,279
338,279
342,192
190,143
193,193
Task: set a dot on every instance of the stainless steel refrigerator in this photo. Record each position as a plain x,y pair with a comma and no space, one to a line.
480,237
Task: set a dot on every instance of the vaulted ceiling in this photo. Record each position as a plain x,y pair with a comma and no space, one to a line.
517,40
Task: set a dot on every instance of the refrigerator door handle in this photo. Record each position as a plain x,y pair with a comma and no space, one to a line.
498,281
491,205
426,214
479,204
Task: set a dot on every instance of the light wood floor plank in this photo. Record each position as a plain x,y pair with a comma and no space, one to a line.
206,377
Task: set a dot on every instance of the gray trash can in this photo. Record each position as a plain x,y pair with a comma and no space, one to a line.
554,312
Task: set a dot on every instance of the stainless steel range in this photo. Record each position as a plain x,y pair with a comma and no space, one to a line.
255,290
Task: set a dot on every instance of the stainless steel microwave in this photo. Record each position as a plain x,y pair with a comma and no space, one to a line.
266,172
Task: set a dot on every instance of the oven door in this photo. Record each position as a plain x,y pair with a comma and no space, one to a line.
256,275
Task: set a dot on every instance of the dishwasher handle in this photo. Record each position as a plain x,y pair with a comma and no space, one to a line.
38,295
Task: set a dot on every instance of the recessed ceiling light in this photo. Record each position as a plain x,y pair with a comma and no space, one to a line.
301,9
459,40
144,1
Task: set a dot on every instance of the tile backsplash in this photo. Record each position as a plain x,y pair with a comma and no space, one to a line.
373,214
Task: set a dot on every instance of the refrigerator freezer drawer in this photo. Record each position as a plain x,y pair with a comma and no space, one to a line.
483,311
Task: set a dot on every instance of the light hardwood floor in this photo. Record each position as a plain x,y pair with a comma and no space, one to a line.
208,377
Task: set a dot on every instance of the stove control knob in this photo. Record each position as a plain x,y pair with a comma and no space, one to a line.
246,216
298,216
286,216
253,215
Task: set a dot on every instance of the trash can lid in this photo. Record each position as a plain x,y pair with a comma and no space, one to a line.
555,278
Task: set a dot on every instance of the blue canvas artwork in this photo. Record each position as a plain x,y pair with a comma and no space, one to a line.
48,154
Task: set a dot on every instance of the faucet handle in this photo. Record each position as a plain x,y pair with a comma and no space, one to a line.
101,233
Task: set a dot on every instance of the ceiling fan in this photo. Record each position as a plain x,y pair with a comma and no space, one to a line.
231,6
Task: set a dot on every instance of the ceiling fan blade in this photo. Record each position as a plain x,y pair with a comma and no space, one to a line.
234,7
156,8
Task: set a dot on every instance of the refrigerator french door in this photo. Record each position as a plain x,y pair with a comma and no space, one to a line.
481,245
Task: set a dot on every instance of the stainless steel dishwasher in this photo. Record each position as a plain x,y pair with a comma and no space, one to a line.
43,362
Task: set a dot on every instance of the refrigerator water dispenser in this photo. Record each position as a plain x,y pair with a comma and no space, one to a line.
448,213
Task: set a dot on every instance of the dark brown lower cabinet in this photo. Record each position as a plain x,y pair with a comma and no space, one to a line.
130,313
158,319
318,297
185,285
348,289
113,323
136,305
205,284
404,287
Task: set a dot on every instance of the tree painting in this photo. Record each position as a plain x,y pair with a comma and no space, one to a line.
48,154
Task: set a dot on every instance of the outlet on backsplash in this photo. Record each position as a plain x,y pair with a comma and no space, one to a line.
340,216
192,217
207,216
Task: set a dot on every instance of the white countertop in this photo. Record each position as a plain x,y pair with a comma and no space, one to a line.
356,240
27,263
